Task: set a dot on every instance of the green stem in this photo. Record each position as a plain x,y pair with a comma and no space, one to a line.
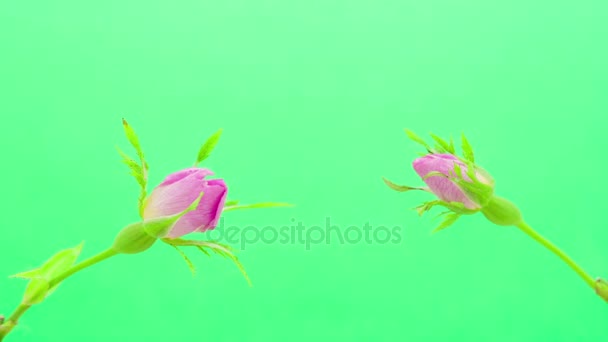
82,265
550,246
12,321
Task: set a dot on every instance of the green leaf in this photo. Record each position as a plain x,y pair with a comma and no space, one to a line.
231,203
57,264
208,147
258,205
40,279
467,150
443,144
36,291
417,139
187,260
449,219
400,188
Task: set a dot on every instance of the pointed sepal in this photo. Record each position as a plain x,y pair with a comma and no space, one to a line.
401,188
257,205
414,137
448,220
208,147
209,246
467,150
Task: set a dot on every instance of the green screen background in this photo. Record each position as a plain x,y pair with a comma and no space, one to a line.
313,96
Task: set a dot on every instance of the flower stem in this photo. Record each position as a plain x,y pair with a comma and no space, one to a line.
550,246
11,322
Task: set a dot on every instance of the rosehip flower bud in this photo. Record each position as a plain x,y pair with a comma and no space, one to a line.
181,189
440,173
464,188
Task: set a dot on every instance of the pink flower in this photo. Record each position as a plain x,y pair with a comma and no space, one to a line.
181,189
444,187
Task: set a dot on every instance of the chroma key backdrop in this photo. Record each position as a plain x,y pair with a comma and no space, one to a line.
310,99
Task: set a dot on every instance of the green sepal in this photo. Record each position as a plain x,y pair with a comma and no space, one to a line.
186,259
400,188
455,207
448,220
257,205
160,227
231,203
476,190
215,247
138,237
502,212
133,239
208,147
414,137
40,279
434,174
467,150
443,146
601,288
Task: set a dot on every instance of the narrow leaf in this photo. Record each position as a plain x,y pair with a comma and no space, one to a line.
208,147
467,150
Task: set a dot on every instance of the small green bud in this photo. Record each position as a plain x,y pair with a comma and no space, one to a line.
502,212
138,237
133,239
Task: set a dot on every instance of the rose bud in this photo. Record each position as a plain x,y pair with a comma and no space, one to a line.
183,203
439,172
178,191
464,188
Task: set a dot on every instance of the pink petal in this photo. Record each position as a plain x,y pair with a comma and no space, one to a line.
178,191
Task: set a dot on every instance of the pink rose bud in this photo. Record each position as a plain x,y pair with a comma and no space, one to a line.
442,186
447,177
178,191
